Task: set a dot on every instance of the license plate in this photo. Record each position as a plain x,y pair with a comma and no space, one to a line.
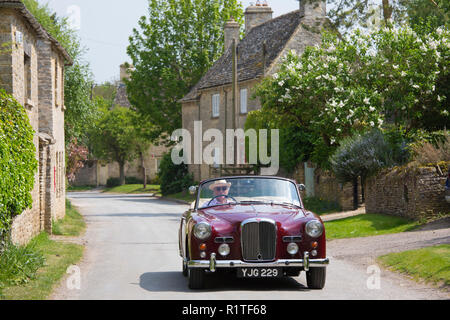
259,273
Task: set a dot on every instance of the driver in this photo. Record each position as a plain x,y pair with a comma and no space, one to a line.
220,187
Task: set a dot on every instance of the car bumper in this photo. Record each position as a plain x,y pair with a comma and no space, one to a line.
212,264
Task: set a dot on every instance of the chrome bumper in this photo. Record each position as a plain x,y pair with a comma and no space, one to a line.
212,264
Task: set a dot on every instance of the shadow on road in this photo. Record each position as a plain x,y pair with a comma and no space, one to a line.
175,281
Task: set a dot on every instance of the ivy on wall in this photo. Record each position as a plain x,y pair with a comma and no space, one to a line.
18,162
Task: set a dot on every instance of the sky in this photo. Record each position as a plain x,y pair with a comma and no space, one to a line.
104,27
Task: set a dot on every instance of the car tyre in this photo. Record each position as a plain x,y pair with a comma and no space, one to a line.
196,278
315,278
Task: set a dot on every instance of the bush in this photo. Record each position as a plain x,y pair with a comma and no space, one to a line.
173,178
426,153
18,162
113,182
133,180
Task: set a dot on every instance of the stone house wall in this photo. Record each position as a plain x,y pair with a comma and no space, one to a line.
26,73
413,193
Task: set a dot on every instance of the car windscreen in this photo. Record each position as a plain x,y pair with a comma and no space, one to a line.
248,190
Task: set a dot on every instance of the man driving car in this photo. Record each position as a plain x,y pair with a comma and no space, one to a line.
220,188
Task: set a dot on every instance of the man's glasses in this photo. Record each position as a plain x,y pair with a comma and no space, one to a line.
221,188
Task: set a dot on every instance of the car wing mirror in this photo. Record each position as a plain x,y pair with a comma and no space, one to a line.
301,187
193,190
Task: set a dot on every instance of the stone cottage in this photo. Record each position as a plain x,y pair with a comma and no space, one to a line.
33,72
97,173
222,97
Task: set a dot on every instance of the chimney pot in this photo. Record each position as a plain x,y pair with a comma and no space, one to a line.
232,32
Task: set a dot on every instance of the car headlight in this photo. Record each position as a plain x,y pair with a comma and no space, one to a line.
202,230
314,228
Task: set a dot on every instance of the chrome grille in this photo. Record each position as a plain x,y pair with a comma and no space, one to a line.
258,240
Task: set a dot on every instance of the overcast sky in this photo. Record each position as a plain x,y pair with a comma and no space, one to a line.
105,25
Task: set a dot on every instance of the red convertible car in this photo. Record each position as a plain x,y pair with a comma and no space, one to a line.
253,226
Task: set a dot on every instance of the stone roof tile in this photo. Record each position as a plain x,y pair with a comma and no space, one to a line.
274,33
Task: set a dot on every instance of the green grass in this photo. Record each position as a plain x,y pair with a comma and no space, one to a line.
71,225
30,272
430,264
185,196
134,189
80,188
320,206
365,225
58,257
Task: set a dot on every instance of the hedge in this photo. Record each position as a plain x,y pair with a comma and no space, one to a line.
18,161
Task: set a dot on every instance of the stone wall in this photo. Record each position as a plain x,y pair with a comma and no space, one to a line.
328,188
23,85
33,72
413,193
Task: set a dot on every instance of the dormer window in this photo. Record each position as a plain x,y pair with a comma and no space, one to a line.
215,105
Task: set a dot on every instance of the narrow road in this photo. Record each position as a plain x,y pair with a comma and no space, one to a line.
132,253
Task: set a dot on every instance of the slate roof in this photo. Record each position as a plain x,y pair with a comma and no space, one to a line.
41,32
275,33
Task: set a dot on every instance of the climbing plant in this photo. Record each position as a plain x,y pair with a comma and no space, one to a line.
18,162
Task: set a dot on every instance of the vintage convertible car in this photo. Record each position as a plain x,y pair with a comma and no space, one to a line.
253,226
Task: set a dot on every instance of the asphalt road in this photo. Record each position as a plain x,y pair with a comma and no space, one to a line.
132,253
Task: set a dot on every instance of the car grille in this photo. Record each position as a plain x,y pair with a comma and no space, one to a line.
258,240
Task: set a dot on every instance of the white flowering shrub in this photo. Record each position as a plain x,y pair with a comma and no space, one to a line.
344,87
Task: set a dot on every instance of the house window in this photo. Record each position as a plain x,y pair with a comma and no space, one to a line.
215,105
243,101
56,83
27,77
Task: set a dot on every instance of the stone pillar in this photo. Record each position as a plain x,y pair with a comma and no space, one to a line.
255,15
232,32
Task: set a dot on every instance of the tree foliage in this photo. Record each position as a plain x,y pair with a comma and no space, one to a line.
173,178
174,46
18,162
80,109
345,87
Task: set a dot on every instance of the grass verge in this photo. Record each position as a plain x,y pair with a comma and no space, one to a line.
431,264
79,188
182,196
133,189
30,272
58,257
71,225
367,225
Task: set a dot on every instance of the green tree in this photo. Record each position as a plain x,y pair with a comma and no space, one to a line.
80,109
346,87
177,43
116,137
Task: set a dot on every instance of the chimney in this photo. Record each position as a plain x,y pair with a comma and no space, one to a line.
257,14
313,8
232,32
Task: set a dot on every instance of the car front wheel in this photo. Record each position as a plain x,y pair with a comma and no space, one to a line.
196,278
315,278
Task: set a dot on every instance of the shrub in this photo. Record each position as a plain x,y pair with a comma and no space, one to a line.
18,162
133,180
113,182
173,178
426,153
